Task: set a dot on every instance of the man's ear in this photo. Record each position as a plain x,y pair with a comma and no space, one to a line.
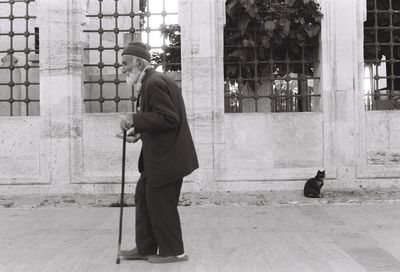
139,64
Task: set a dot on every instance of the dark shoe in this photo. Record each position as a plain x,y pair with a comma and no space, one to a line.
132,255
167,259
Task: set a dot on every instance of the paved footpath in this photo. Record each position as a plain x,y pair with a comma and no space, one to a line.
292,238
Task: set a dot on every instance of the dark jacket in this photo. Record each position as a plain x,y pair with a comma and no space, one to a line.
168,151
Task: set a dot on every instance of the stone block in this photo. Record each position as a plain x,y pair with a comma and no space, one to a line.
297,140
205,154
248,141
203,131
102,152
377,131
20,146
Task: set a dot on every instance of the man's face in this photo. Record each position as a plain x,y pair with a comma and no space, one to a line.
130,69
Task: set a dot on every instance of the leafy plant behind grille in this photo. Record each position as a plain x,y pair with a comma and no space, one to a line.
255,28
171,55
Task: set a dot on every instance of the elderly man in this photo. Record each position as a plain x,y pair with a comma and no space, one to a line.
167,155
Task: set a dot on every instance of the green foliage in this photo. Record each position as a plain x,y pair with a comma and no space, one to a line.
255,28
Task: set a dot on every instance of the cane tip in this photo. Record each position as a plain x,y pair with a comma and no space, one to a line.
118,261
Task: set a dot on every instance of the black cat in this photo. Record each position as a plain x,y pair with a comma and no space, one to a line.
313,186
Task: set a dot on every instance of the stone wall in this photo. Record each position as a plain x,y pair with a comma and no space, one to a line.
66,150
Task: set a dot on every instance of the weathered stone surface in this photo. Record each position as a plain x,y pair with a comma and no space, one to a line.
383,138
19,145
73,152
297,141
102,150
329,238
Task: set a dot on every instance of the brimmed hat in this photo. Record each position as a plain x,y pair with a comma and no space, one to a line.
137,49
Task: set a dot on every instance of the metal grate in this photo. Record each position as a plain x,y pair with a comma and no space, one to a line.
382,55
162,33
111,26
273,79
19,73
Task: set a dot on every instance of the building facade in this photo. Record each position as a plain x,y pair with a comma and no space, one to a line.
64,148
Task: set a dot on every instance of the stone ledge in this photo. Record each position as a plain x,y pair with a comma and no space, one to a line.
266,198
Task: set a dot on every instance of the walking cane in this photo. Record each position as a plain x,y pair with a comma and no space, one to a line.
121,213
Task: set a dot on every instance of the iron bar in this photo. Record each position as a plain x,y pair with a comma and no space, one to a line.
110,85
21,52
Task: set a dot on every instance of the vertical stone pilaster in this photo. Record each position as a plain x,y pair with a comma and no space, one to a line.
61,45
360,116
202,23
327,85
341,82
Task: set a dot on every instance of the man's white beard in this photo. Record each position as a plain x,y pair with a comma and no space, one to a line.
131,79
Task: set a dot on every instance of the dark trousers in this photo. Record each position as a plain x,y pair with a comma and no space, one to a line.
157,219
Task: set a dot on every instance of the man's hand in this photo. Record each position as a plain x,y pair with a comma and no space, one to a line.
133,138
130,138
126,122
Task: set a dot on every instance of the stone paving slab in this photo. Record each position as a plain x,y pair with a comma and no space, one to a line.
274,198
281,238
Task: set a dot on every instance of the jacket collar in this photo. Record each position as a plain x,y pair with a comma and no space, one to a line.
141,102
147,74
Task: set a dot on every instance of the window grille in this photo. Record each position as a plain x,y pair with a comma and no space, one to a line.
382,55
111,26
263,77
19,66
